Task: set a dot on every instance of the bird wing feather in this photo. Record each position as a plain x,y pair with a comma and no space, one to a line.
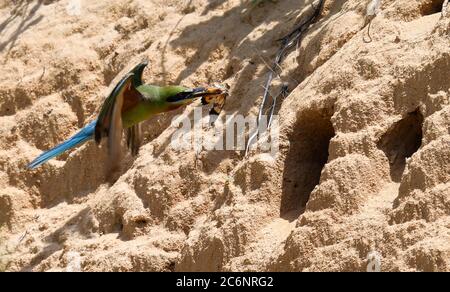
109,124
123,94
134,138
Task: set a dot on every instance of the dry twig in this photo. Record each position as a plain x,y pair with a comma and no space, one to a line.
287,42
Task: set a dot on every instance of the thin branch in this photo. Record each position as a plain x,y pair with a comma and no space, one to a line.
287,42
368,33
22,237
283,93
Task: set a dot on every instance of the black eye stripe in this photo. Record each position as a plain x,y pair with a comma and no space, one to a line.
179,96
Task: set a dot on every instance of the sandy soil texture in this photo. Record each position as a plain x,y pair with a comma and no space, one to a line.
364,161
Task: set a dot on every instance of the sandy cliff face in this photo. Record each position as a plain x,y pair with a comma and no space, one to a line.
364,160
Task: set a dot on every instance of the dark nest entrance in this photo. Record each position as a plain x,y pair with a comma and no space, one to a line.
401,141
308,154
428,7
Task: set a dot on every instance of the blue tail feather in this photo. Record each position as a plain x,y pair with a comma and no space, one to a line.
82,136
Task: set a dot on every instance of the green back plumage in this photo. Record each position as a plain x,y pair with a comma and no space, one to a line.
160,94
154,102
153,99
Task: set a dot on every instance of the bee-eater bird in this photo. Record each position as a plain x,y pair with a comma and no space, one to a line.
130,103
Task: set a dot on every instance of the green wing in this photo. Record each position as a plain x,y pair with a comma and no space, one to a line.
123,97
114,102
109,122
133,133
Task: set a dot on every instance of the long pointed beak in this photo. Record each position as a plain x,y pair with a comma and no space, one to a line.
202,91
